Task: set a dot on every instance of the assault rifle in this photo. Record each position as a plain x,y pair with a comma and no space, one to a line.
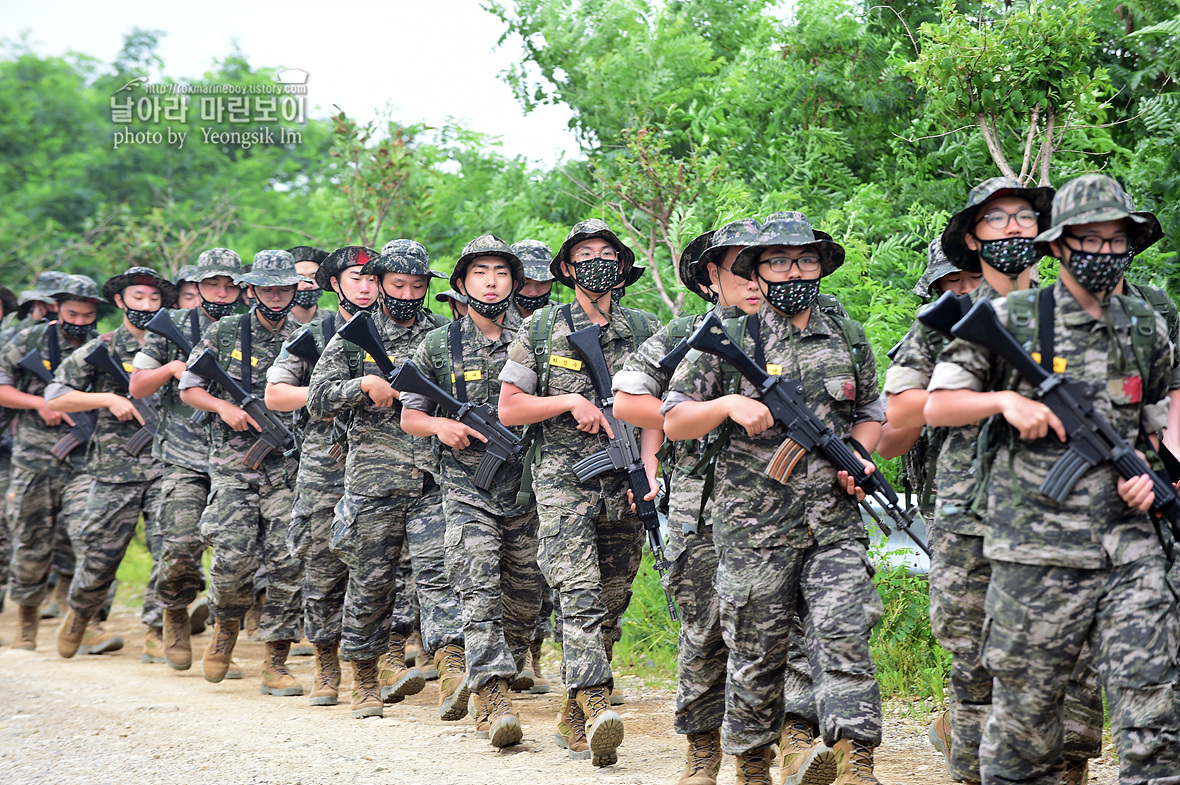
1090,438
101,359
361,331
273,434
303,346
84,422
161,324
502,444
805,431
622,452
945,312
672,359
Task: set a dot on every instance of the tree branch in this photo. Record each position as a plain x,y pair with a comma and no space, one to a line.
1026,163
993,145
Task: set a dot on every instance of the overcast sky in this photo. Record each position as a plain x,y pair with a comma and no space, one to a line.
427,60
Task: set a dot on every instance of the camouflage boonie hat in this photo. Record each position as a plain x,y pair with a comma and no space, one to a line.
535,256
79,287
308,253
215,262
402,256
340,260
634,274
145,276
1092,198
488,245
272,268
937,266
689,273
588,230
186,274
735,234
792,229
48,285
450,294
954,244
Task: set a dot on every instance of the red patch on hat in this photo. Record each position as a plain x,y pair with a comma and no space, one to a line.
144,280
849,388
1133,388
362,258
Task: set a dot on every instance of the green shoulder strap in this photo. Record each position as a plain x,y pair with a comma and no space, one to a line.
438,351
1142,316
680,328
830,305
858,343
541,337
227,334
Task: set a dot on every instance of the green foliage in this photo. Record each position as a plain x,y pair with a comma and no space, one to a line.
908,658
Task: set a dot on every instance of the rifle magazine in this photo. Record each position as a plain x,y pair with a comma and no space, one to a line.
257,453
65,445
1064,475
786,457
136,444
485,473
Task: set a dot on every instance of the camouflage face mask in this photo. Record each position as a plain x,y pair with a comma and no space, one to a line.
218,310
353,308
490,310
76,331
275,314
403,310
139,319
1098,272
1011,255
616,295
307,298
532,303
596,275
792,297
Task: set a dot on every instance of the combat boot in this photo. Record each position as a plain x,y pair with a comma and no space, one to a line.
805,759
254,616
525,679
540,683
703,760
1075,772
398,681
753,768
217,655
366,692
178,643
452,682
99,641
198,615
479,712
604,726
30,619
70,633
503,724
276,679
939,734
59,601
854,763
153,646
325,688
414,652
571,729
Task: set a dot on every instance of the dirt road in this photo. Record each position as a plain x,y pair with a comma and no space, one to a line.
112,719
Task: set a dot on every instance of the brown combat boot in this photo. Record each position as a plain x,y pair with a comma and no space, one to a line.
198,615
452,682
479,712
571,729
1075,772
99,641
805,760
604,726
215,663
178,642
58,603
366,692
525,679
70,633
703,760
503,724
753,768
854,763
153,646
276,679
939,734
30,619
414,651
325,688
541,685
397,680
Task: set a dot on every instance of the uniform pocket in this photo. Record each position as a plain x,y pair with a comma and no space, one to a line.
841,388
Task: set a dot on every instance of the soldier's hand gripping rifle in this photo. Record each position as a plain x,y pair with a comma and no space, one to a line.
84,422
273,434
1090,438
100,358
161,324
502,444
945,312
805,431
623,450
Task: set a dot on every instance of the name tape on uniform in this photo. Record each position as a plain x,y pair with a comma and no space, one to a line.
565,362
237,355
469,376
1059,363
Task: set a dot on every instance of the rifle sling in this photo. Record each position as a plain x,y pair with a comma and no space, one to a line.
194,327
754,326
455,340
246,350
1045,307
54,347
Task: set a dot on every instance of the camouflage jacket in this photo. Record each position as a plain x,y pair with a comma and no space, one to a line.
751,509
227,447
179,440
34,439
318,470
1093,527
481,362
106,459
383,460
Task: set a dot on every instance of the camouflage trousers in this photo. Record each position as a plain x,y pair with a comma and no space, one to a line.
39,506
185,493
760,590
959,576
246,523
101,535
492,564
324,576
547,626
1038,621
5,532
407,614
368,535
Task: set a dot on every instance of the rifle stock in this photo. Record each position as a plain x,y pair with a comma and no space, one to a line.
100,358
303,346
32,363
363,332
161,324
942,314
672,359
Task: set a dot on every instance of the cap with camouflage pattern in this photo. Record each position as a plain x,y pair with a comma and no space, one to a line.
308,253
488,245
791,229
735,234
271,268
139,275
450,294
50,284
186,274
340,260
688,272
215,262
954,243
588,230
937,266
1093,198
79,287
402,256
535,256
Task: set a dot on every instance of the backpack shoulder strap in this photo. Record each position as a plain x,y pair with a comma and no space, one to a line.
541,337
830,305
438,353
1142,315
856,340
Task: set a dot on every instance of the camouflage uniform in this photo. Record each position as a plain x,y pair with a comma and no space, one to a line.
1086,571
802,542
319,486
491,541
121,487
